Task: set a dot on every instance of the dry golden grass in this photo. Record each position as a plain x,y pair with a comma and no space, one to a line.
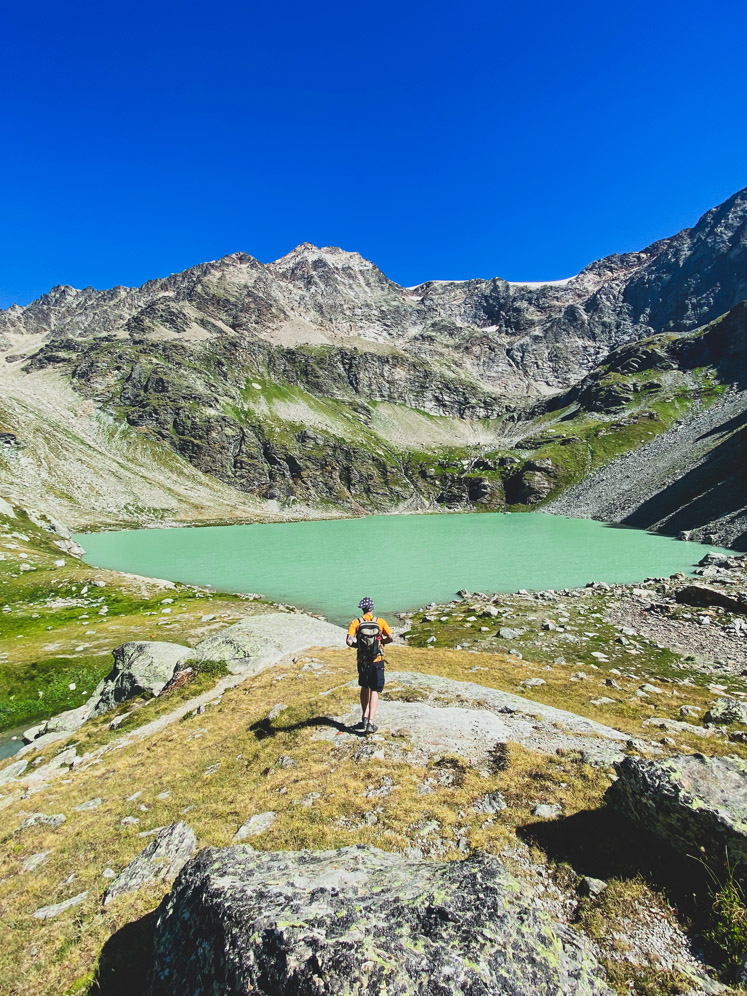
170,772
47,957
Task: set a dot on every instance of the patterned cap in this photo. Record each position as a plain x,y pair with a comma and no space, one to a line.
366,604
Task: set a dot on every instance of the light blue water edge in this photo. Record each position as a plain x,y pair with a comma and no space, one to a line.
401,561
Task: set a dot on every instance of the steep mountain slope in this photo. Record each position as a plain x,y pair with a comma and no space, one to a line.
317,380
692,478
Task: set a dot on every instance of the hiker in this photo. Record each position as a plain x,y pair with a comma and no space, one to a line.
368,634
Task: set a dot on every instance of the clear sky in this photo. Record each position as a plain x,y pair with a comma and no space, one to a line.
442,141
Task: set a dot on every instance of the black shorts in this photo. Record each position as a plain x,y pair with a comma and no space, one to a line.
371,676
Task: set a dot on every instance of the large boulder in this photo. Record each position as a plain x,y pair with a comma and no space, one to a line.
140,668
696,803
703,596
360,920
726,710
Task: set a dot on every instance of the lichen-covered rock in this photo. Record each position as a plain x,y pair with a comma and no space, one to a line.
696,803
360,920
140,668
163,858
726,710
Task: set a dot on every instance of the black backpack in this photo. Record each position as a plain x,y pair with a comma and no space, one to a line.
369,641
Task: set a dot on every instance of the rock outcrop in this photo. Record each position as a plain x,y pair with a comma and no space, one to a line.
361,920
163,858
696,803
250,644
140,668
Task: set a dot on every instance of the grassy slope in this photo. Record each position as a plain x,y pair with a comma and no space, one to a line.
318,788
58,627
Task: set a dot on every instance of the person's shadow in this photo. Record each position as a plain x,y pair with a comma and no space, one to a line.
264,728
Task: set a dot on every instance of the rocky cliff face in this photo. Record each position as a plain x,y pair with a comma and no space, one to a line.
516,337
315,378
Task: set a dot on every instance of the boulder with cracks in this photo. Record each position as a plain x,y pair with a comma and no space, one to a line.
361,920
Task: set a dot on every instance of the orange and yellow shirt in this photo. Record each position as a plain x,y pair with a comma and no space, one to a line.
383,626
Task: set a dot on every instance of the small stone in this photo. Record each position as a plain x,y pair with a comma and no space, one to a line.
255,825
532,682
85,806
16,769
41,819
310,798
547,811
34,860
589,886
48,912
163,858
650,689
490,804
118,720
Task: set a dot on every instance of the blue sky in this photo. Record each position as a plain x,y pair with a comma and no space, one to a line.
442,141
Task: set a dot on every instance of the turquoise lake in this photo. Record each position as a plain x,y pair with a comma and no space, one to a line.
401,561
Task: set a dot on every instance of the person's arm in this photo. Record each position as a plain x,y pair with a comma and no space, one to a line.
386,633
352,630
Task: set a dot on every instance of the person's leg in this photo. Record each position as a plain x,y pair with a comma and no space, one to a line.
373,705
365,696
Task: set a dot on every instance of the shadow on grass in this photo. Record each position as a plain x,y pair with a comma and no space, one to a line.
264,728
126,960
603,844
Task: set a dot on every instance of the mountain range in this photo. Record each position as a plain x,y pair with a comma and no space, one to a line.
316,385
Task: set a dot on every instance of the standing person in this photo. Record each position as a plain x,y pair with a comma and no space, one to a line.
368,635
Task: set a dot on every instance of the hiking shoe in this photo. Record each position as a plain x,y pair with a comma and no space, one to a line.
360,725
370,728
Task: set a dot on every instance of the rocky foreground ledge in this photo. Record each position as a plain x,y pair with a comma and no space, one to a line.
361,920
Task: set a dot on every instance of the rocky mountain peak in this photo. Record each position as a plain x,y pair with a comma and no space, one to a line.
311,257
